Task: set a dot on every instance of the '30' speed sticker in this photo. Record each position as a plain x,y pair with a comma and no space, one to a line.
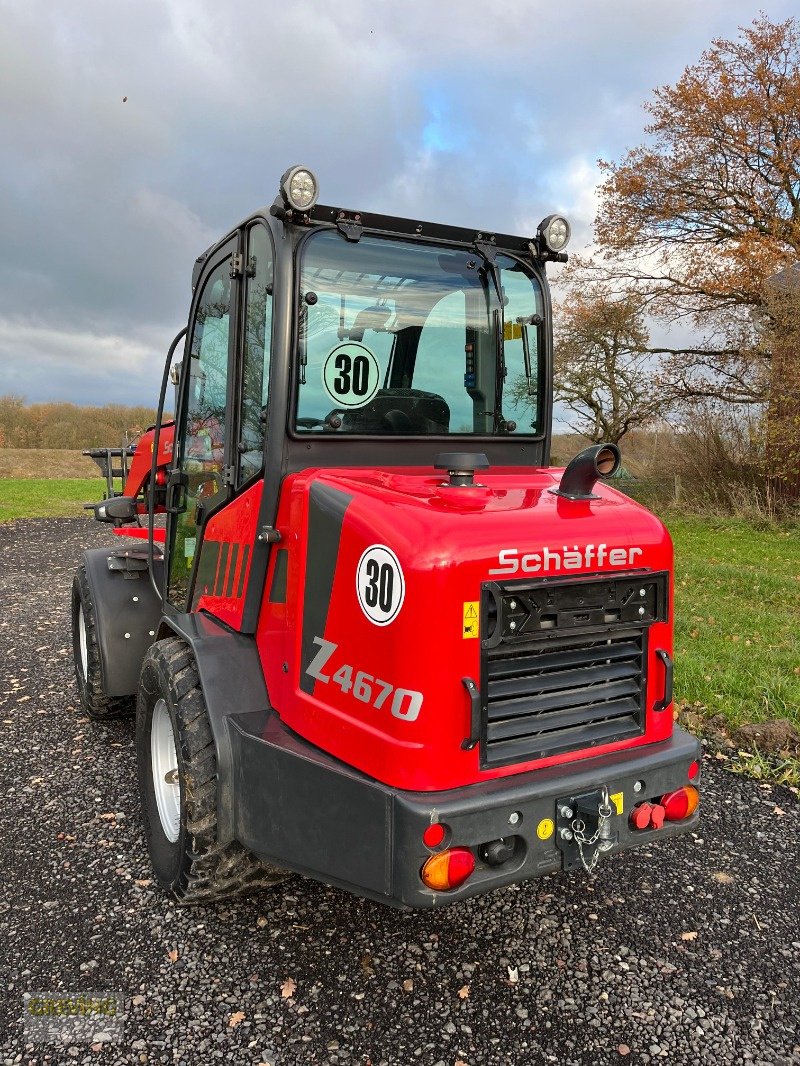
351,375
380,585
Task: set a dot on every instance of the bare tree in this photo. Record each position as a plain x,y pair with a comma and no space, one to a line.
604,373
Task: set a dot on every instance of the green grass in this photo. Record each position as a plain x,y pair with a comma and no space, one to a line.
737,618
47,497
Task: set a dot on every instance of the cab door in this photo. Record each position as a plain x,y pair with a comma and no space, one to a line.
227,550
200,480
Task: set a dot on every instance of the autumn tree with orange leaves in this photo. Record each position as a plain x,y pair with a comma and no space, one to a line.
702,216
699,220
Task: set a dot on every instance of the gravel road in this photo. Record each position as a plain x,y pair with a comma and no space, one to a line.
684,952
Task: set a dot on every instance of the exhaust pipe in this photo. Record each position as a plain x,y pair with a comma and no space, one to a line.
579,478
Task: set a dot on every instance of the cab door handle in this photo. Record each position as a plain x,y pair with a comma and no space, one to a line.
177,486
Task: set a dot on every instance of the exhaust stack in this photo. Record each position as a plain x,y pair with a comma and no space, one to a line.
579,478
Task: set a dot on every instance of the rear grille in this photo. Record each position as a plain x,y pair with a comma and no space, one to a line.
553,682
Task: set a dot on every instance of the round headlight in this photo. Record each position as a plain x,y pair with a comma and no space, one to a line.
299,188
555,232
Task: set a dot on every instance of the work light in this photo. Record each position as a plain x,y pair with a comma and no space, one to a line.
299,188
555,231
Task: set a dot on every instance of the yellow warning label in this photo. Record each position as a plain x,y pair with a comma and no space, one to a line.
512,331
470,619
544,830
617,799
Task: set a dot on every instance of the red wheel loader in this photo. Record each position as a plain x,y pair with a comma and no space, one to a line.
368,633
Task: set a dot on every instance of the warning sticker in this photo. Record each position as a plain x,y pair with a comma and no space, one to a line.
617,799
544,830
470,619
351,375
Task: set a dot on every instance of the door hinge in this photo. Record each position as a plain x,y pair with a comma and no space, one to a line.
350,228
269,535
240,268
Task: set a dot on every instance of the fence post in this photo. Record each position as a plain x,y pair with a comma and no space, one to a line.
677,488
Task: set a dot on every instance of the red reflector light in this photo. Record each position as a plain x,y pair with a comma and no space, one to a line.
694,770
433,835
681,803
161,477
448,869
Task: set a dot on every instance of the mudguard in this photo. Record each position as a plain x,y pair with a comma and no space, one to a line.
127,611
232,681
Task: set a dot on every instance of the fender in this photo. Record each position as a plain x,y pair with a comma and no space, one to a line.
233,685
127,610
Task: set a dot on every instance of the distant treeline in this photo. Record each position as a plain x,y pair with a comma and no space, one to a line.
66,425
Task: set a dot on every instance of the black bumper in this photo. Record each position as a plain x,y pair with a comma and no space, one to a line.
299,808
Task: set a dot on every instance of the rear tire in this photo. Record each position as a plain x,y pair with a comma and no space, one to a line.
86,653
179,804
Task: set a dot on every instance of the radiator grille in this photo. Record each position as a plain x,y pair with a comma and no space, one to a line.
562,694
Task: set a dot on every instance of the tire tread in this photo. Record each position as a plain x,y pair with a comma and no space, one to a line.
210,871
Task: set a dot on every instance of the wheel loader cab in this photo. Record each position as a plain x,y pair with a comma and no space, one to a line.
308,347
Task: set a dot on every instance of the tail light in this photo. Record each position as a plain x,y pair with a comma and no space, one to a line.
681,803
448,869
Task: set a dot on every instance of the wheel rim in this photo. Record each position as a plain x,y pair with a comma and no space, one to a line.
164,761
82,643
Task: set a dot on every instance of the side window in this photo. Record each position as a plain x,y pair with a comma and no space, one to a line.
257,344
440,363
522,346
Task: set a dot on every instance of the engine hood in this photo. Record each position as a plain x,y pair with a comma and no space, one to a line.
380,625
511,522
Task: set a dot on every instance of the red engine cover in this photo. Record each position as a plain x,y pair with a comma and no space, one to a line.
368,622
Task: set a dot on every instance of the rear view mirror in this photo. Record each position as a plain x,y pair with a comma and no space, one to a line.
118,509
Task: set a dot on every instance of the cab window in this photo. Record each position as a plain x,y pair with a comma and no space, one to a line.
257,345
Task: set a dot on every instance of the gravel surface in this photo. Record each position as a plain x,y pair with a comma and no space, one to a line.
684,952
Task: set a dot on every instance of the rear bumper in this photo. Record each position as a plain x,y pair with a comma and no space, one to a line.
299,808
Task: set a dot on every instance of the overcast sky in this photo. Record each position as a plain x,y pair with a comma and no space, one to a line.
489,115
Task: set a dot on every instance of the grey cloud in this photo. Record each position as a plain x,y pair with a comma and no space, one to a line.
106,204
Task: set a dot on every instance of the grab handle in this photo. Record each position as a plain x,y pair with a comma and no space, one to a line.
662,704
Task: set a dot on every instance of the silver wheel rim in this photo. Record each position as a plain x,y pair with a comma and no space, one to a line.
164,761
82,643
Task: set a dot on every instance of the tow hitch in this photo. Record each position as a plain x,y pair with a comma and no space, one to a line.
583,829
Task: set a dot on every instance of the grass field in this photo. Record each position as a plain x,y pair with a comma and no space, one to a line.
45,463
737,618
47,497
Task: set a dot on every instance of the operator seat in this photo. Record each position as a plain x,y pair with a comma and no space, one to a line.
409,412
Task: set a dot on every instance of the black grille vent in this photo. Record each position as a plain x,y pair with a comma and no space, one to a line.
553,680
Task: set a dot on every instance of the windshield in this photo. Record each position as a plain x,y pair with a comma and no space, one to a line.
407,339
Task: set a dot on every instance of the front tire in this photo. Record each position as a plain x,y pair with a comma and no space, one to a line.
86,653
178,786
